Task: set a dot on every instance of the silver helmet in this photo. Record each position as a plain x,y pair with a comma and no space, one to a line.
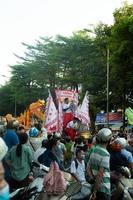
104,135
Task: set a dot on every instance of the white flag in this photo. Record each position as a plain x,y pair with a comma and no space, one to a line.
51,122
60,117
83,113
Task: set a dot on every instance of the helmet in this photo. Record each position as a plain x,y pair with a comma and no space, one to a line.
15,124
57,135
104,135
121,141
33,132
3,149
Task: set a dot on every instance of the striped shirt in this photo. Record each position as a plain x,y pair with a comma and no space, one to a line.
100,157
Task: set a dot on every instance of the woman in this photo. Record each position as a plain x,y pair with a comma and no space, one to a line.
19,159
49,155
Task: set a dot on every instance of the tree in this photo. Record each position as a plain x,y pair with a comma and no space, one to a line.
121,45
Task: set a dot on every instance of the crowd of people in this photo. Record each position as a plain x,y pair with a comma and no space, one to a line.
96,160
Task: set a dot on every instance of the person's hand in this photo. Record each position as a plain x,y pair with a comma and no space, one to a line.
93,196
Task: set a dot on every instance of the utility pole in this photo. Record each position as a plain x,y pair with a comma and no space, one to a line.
15,107
107,87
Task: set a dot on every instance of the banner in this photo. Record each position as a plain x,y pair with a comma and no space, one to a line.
129,114
83,113
70,94
113,117
51,123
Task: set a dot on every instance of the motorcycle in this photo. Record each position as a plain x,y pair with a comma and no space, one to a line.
124,187
36,191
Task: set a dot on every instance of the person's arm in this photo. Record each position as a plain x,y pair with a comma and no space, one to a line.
130,162
98,180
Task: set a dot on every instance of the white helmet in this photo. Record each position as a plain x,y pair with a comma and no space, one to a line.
3,149
58,135
104,135
121,141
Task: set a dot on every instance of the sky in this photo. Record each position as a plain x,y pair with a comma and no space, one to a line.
27,20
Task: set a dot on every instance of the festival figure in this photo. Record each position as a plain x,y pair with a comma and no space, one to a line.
68,115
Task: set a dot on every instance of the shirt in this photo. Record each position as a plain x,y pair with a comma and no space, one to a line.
66,108
20,166
11,139
38,152
60,150
79,171
127,155
100,157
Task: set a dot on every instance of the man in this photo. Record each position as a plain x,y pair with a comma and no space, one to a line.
121,157
68,115
98,167
78,166
71,128
129,147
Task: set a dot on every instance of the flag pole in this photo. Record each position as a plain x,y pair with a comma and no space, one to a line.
108,87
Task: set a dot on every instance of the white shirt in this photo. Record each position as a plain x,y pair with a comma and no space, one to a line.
38,152
65,106
80,171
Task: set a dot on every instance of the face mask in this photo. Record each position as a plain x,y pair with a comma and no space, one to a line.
4,193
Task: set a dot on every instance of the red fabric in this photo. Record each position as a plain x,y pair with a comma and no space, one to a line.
67,118
71,133
90,145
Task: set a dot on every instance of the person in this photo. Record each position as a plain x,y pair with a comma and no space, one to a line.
40,150
60,150
68,116
49,155
20,130
36,137
33,132
91,149
4,187
44,133
77,144
54,181
78,166
129,147
68,153
11,139
121,157
71,128
99,166
19,158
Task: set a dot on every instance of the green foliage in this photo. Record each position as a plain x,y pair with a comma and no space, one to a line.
76,62
121,45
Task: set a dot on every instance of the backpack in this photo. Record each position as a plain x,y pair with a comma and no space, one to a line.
76,163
